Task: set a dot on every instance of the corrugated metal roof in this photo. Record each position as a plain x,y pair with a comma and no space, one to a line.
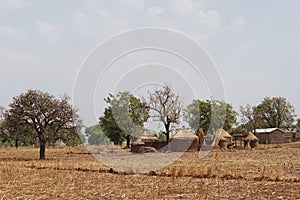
266,130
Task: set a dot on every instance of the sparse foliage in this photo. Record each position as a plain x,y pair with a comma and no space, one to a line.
250,118
166,107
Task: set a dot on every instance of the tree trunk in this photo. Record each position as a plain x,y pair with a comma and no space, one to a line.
42,151
127,141
16,143
167,127
168,136
42,142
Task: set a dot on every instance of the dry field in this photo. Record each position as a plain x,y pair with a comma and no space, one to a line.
269,172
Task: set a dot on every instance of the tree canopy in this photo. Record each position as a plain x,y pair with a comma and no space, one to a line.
298,124
37,114
95,135
124,117
209,115
276,112
2,111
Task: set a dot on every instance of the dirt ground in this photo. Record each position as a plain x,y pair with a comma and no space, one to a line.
268,172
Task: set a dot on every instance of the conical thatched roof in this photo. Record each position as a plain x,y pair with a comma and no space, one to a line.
148,136
148,133
251,137
138,141
222,138
225,134
184,133
222,134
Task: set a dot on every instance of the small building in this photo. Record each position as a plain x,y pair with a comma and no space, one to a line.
222,143
150,139
184,140
238,138
296,136
294,133
273,136
148,136
147,140
251,141
224,139
137,146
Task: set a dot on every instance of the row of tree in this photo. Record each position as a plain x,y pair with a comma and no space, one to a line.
125,115
274,112
38,118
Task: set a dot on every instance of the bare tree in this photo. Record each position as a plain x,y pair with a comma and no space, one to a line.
250,118
167,107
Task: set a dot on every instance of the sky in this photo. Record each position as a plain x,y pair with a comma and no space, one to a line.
255,46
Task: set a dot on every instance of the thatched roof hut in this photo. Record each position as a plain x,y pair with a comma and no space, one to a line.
138,140
224,138
184,140
184,133
251,141
222,143
137,146
148,136
251,137
225,134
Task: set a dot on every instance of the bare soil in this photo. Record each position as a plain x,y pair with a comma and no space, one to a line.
268,172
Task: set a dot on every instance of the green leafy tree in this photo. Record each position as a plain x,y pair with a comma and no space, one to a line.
40,115
16,132
95,135
298,124
3,135
275,112
2,111
110,127
209,115
198,114
124,117
20,137
73,140
166,107
162,136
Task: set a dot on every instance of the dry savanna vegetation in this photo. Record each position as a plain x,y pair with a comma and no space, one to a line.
268,172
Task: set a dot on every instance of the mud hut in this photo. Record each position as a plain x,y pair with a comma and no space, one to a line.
273,136
224,138
251,141
137,146
222,143
184,140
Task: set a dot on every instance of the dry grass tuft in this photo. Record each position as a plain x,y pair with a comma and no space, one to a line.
72,173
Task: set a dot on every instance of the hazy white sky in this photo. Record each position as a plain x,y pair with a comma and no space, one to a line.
255,44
